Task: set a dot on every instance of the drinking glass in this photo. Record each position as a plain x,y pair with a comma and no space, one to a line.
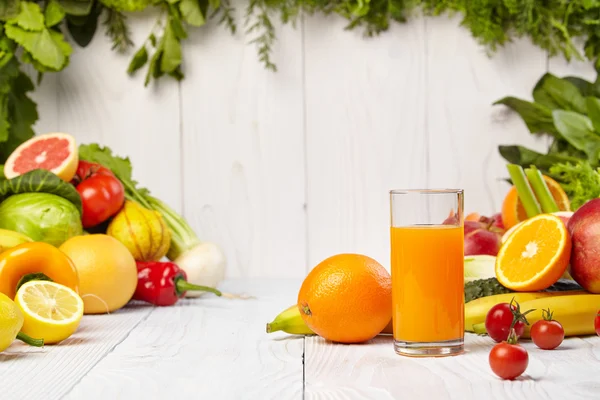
427,264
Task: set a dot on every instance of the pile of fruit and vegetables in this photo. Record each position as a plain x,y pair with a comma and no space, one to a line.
531,272
79,236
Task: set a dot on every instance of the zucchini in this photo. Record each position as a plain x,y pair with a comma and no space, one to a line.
491,286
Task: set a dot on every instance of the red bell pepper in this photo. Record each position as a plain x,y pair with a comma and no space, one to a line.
163,283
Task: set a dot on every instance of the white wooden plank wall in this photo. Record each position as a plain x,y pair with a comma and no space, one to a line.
284,169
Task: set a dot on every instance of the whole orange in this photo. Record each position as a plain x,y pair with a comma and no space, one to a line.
347,298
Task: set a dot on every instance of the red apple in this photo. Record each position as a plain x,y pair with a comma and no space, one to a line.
482,238
584,227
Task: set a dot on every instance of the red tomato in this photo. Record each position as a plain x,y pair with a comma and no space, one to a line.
102,194
499,320
597,323
547,334
508,361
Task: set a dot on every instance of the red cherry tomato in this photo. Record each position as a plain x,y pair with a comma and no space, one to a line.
508,361
547,334
102,194
597,323
499,320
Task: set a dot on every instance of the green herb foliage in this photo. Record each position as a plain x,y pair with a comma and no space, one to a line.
568,110
36,29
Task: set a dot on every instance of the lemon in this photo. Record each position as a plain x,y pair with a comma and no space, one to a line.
11,320
51,311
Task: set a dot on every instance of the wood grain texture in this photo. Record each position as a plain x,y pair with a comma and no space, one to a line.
99,102
210,348
463,127
365,114
50,372
582,69
243,151
46,97
374,371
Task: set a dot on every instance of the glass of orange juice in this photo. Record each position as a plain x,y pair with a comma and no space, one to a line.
427,265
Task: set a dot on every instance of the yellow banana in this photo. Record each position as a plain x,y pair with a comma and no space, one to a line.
476,310
9,239
290,321
576,313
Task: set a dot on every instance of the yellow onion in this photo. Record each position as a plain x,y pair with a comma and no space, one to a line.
144,232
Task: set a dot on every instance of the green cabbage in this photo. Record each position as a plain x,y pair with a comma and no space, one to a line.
44,217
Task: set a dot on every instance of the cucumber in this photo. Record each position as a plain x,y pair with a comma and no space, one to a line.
491,286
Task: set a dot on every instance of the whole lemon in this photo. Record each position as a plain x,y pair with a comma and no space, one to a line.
11,321
107,272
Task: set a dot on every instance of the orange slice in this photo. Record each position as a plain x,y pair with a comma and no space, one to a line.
535,255
513,211
55,152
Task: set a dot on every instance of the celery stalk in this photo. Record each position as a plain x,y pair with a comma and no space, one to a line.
541,190
530,203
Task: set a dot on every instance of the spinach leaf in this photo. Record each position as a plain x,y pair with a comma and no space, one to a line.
556,93
564,148
586,88
537,117
525,157
40,181
578,130
83,28
593,107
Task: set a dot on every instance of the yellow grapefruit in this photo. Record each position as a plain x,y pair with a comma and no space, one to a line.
107,271
55,152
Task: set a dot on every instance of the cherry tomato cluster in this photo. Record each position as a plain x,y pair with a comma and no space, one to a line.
505,323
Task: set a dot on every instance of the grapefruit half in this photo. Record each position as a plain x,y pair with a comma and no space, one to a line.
55,152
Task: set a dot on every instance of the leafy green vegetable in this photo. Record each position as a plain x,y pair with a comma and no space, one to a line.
30,17
83,28
40,181
573,157
560,94
580,181
578,130
117,30
525,157
41,216
76,7
538,117
54,13
9,8
593,107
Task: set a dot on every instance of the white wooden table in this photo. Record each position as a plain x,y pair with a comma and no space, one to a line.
214,348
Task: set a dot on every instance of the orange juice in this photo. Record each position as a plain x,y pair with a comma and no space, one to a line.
428,283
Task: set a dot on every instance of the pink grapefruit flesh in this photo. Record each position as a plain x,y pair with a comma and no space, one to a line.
55,152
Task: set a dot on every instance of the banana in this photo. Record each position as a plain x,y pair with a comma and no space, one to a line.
476,310
576,313
290,321
9,239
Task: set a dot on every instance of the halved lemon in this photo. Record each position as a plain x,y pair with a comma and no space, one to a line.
535,255
52,311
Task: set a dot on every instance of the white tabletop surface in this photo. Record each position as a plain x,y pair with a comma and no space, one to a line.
215,348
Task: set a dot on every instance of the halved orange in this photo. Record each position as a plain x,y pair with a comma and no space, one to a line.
513,211
535,256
